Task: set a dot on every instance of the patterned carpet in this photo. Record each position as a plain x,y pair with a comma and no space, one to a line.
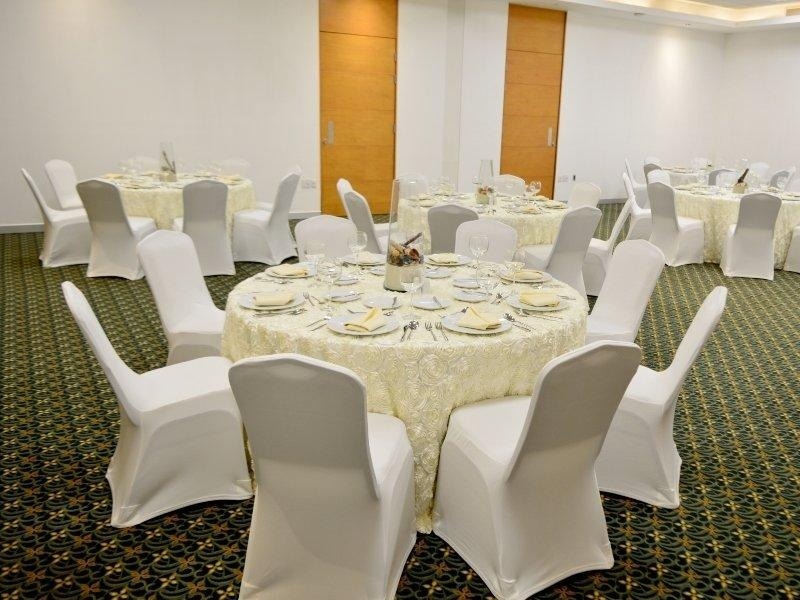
736,535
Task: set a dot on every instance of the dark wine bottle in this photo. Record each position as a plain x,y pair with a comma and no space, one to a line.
741,179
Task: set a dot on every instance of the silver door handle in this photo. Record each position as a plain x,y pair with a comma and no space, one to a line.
328,139
550,142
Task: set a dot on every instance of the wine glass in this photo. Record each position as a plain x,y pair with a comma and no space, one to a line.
356,243
315,252
411,280
487,279
513,263
534,187
328,271
478,245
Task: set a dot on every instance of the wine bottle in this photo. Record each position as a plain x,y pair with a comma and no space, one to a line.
741,179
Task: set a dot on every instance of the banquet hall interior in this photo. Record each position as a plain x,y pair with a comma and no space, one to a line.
373,299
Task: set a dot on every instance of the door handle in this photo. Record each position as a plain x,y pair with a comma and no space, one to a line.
550,142
328,139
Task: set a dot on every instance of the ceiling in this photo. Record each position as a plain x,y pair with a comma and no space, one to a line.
741,3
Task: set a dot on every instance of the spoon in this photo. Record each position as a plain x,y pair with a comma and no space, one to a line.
295,311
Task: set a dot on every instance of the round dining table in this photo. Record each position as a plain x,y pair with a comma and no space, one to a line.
536,220
420,380
148,196
718,208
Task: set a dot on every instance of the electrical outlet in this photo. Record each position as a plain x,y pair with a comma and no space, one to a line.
563,178
308,184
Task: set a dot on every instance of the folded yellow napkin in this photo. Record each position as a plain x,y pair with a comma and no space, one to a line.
539,299
290,270
444,258
369,321
427,203
529,275
529,208
274,299
478,320
114,176
555,204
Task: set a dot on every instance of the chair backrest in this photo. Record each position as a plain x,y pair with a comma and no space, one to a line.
103,205
47,213
760,170
665,217
584,193
204,204
572,241
360,214
284,197
443,221
650,166
342,187
625,212
573,401
635,208
411,184
120,376
306,421
658,175
782,178
510,185
331,231
632,275
713,176
63,179
758,213
726,178
502,238
629,171
170,263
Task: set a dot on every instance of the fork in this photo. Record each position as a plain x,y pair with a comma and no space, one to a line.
441,331
429,329
295,311
519,324
307,296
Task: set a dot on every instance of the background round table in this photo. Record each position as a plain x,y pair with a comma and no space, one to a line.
419,381
719,209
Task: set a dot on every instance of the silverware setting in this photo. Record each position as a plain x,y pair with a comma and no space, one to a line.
323,320
429,329
307,296
525,313
440,327
517,323
435,299
275,313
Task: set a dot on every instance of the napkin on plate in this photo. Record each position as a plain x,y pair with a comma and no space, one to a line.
272,299
444,258
529,275
369,321
555,204
530,209
539,299
474,319
428,203
290,270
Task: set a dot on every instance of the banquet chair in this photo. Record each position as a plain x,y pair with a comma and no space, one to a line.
749,249
358,211
63,179
759,170
443,221
631,278
781,179
180,435
204,213
502,238
648,167
334,506
564,259
67,236
264,236
727,178
411,184
584,193
509,185
331,231
679,238
641,222
639,458
639,189
114,234
793,255
598,255
191,321
714,175
658,175
516,494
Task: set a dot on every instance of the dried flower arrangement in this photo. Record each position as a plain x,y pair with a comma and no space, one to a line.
401,255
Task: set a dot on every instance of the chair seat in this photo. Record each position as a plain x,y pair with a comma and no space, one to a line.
75,215
387,443
598,329
141,226
252,216
382,229
493,426
538,255
687,224
202,319
185,381
648,387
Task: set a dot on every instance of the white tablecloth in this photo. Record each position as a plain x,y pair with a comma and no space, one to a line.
532,229
720,209
420,381
163,201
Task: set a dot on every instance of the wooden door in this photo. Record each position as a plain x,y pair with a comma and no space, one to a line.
357,49
534,57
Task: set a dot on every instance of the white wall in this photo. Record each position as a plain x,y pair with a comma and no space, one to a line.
633,89
95,82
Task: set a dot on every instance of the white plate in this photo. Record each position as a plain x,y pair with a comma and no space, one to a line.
544,278
468,296
462,260
467,283
516,303
343,296
347,280
434,273
427,302
450,322
378,270
365,258
337,324
247,301
309,267
383,302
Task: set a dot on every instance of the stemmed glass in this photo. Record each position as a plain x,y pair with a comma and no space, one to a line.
534,187
478,245
487,280
315,252
329,270
513,264
356,243
411,279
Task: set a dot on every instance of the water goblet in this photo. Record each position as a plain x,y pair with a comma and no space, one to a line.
328,271
478,245
356,243
487,280
513,263
411,279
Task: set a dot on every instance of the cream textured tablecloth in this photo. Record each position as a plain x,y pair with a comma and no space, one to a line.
163,202
532,229
419,381
720,209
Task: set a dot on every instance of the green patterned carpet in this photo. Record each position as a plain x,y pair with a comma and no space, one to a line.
736,535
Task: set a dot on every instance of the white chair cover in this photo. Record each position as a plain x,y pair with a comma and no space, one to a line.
359,213
632,275
516,495
584,193
63,179
793,255
598,255
180,439
640,189
67,237
564,259
658,175
760,170
749,249
331,231
334,507
781,179
650,166
114,235
443,221
191,321
639,458
204,208
502,238
679,238
264,235
509,185
713,176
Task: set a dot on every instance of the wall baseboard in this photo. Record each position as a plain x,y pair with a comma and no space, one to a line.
22,228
